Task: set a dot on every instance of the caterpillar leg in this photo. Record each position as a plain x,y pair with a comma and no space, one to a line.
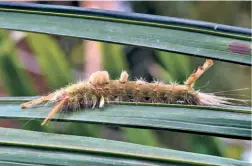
55,109
36,101
194,76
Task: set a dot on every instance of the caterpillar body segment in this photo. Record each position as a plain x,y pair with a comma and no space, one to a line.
99,90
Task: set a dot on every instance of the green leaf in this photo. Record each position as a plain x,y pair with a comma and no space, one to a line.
234,122
177,35
12,75
26,147
51,59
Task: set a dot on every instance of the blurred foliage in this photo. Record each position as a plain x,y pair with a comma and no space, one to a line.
57,69
51,60
13,77
113,59
177,65
236,13
141,136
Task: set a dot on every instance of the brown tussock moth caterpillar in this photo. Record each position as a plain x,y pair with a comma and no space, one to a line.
99,89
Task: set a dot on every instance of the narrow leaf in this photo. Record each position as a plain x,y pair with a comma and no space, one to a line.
20,146
234,122
190,37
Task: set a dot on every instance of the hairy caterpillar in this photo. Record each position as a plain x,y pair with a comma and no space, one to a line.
99,89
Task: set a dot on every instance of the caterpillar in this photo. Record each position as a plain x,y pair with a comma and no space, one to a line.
99,89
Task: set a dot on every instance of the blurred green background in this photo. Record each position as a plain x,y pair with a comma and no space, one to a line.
36,64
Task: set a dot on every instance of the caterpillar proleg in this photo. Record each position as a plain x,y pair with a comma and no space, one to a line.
99,90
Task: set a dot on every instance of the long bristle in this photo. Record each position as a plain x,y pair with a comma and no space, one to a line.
213,100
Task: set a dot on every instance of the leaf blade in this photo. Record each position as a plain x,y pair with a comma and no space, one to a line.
182,36
228,122
85,148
